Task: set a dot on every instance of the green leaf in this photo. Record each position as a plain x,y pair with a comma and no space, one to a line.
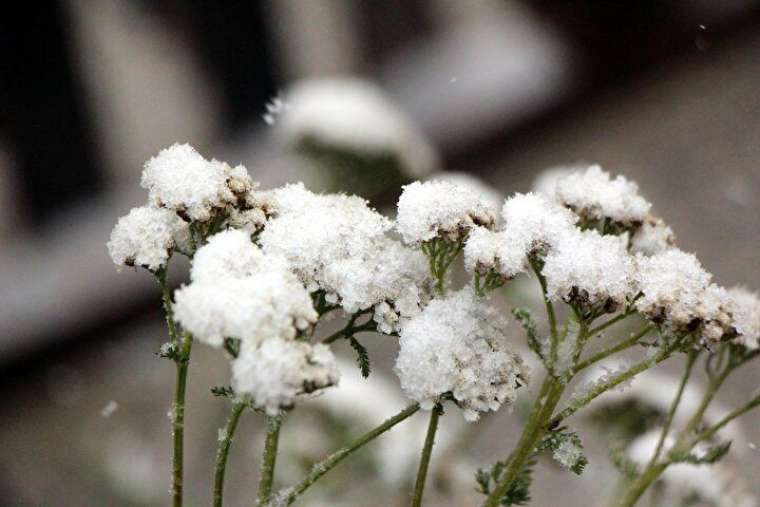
223,391
362,356
518,493
525,318
566,448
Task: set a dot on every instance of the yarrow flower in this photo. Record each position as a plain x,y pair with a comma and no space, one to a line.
491,197
146,237
459,345
677,292
654,236
275,373
747,316
595,197
180,179
589,269
440,209
532,225
239,292
354,116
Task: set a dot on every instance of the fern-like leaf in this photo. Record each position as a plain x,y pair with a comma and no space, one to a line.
362,356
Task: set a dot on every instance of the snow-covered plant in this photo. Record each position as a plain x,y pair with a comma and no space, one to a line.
269,268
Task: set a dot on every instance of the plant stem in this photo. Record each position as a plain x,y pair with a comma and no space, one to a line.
269,458
535,427
601,327
627,343
166,297
690,360
755,402
289,495
427,451
576,403
178,418
641,484
223,450
549,312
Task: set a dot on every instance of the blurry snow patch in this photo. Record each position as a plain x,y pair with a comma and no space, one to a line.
109,409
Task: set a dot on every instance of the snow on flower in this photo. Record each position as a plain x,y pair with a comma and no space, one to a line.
654,236
146,237
440,209
594,196
677,292
747,315
534,223
227,254
266,305
180,179
488,194
587,268
275,373
459,345
353,115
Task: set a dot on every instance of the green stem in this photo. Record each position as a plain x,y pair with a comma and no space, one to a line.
641,484
601,327
690,360
577,403
269,459
549,312
534,429
223,450
178,419
427,451
289,495
755,402
625,344
166,297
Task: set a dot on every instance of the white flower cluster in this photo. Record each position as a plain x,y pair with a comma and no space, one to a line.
459,345
677,293
180,179
338,244
440,209
146,237
277,372
747,316
653,237
594,196
353,115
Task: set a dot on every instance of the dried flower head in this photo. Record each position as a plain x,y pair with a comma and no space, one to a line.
275,373
654,236
180,179
440,209
146,237
459,345
747,316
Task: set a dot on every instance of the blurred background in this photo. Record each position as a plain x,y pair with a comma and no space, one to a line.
666,92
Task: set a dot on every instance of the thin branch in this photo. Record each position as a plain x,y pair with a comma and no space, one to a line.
427,451
223,450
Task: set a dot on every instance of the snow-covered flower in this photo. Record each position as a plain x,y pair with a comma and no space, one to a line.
354,116
440,209
180,179
535,223
146,237
546,181
266,305
488,250
589,269
490,196
652,237
459,345
747,316
275,372
228,254
594,196
717,485
677,292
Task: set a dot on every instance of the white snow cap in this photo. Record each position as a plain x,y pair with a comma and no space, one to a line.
532,225
747,315
440,208
277,372
654,236
266,305
180,179
546,181
230,253
590,267
146,237
353,115
459,345
677,291
593,195
490,196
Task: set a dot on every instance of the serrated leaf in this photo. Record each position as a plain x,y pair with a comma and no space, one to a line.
362,356
518,493
712,455
623,463
223,391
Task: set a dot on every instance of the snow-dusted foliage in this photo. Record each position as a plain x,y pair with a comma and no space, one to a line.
459,345
146,237
747,315
352,115
276,372
440,209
